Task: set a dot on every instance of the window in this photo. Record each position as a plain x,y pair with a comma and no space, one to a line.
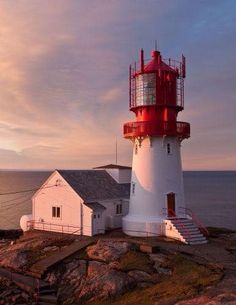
119,209
98,215
94,216
133,188
146,89
136,149
168,148
56,212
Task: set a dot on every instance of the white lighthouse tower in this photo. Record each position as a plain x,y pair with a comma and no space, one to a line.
157,204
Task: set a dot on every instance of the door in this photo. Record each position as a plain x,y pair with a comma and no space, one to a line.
98,223
171,204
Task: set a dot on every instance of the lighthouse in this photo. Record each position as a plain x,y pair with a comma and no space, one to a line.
156,96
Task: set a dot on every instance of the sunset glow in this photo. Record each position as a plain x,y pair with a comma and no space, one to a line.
64,79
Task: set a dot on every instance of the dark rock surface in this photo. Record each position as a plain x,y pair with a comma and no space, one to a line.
227,298
108,250
112,267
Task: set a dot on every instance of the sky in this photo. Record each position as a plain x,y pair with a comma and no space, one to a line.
64,78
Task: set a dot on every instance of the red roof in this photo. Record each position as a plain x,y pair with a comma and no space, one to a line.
156,63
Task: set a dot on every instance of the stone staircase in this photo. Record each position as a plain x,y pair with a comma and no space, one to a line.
40,268
42,292
47,296
186,230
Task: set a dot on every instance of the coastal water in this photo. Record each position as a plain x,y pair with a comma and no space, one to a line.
211,195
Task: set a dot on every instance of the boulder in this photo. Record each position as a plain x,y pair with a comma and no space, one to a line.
162,270
108,250
158,258
140,276
102,282
202,300
227,298
75,270
16,260
50,248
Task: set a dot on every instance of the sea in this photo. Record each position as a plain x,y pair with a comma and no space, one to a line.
211,195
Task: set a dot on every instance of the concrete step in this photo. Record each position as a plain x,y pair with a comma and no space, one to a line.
181,219
193,237
188,229
197,239
185,225
197,242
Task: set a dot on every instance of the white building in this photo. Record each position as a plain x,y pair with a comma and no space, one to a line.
84,202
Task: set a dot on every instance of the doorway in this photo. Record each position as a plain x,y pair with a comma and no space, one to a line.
171,204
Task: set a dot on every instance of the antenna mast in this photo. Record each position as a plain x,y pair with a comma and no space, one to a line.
116,151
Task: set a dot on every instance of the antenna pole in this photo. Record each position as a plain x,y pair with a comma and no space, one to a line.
155,45
116,151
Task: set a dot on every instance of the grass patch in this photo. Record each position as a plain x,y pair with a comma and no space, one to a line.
134,260
187,280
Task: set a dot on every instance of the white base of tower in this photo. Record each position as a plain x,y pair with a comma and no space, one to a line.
136,226
156,173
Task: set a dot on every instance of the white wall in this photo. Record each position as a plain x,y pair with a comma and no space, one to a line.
125,175
72,208
170,231
87,221
98,222
155,173
112,220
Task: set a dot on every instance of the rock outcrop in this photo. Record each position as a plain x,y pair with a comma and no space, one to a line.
108,250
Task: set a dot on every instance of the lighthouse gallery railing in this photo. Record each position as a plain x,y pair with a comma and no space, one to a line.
157,128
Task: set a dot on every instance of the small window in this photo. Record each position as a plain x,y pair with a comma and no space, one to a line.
98,215
94,216
133,188
119,209
56,212
168,148
136,149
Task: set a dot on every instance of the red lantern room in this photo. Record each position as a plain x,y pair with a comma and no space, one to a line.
156,96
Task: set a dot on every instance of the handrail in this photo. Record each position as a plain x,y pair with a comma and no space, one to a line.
32,223
173,215
196,220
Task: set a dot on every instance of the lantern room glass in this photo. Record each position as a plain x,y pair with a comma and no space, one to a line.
145,93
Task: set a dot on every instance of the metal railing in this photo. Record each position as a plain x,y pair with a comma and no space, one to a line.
59,228
176,65
53,227
156,128
195,219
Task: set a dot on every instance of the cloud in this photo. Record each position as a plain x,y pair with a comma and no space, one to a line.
64,69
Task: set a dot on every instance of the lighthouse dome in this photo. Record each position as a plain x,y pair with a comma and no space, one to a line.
156,63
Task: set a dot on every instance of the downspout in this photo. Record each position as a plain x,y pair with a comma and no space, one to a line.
81,218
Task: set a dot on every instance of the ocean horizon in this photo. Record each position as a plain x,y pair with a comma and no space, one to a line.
211,195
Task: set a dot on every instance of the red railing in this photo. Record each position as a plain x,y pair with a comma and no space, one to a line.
157,128
195,219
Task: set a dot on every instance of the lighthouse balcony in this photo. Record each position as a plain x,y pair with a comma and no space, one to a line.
156,128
